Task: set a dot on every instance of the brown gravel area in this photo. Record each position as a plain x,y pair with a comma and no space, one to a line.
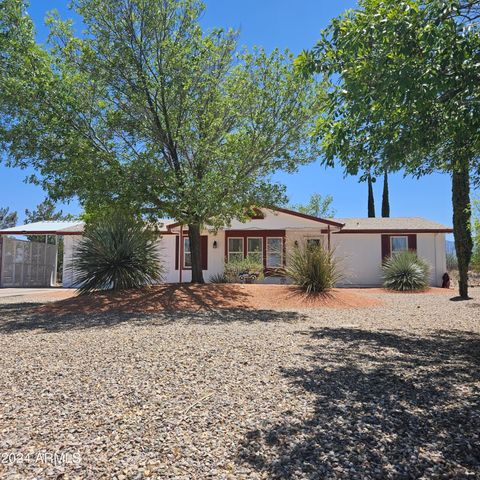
188,297
386,392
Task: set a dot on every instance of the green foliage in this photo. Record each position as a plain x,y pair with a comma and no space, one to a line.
312,267
317,206
147,110
218,278
234,268
405,271
371,197
7,219
402,81
385,197
116,254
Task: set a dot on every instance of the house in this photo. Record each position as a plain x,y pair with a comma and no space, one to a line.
359,244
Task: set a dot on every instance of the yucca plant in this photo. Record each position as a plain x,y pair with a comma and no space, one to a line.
405,272
312,267
114,254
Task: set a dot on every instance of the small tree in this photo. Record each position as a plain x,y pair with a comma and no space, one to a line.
149,111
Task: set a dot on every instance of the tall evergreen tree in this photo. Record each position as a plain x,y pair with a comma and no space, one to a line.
7,219
371,199
385,199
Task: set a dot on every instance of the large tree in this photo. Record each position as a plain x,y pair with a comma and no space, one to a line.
404,93
148,112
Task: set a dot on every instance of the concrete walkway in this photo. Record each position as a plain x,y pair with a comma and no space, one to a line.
12,295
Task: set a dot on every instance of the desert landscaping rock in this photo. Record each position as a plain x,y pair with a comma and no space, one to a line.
391,391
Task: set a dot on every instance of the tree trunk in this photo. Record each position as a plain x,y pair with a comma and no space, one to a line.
385,199
195,249
371,199
461,225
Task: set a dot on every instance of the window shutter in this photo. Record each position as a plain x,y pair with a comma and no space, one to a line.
204,251
412,242
177,245
385,246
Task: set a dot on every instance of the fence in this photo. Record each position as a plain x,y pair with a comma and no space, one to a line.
27,264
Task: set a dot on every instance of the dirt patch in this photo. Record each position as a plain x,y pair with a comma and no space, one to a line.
187,297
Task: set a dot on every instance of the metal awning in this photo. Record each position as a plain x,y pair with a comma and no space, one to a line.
52,227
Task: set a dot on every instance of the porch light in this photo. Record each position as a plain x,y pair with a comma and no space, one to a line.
215,244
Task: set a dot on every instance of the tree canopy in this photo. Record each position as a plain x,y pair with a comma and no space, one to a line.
7,218
148,112
403,81
318,206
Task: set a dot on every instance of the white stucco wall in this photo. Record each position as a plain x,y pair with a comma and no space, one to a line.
215,257
359,255
69,243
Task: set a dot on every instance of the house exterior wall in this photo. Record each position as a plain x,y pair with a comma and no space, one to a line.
359,254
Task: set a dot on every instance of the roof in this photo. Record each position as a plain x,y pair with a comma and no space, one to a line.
392,224
325,221
53,227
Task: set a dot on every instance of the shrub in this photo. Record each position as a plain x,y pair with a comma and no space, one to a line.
116,253
312,267
218,278
234,268
405,271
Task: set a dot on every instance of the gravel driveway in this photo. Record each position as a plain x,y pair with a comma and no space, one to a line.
386,392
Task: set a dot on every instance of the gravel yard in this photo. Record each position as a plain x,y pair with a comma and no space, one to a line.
389,391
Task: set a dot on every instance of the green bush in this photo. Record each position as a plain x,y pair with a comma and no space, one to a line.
114,254
405,271
234,268
312,267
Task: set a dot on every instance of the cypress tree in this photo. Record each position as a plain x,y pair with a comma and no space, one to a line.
385,199
371,200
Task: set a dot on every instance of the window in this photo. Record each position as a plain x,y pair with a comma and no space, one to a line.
274,252
187,255
235,249
314,242
398,244
255,249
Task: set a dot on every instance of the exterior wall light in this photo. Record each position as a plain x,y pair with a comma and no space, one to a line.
215,244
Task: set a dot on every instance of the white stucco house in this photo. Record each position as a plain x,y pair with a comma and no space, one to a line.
360,244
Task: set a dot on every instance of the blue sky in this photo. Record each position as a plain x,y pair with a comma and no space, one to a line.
285,24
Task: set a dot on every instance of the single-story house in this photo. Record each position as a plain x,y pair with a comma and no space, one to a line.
359,244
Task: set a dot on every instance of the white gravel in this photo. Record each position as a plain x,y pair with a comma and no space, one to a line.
385,392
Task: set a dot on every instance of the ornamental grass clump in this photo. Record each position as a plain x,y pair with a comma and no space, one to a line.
115,254
405,272
312,267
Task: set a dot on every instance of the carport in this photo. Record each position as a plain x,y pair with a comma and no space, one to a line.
25,263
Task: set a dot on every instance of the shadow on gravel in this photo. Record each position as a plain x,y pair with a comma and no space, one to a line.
385,405
23,317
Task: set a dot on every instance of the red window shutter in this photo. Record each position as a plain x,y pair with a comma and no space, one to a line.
412,242
204,251
177,248
385,246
